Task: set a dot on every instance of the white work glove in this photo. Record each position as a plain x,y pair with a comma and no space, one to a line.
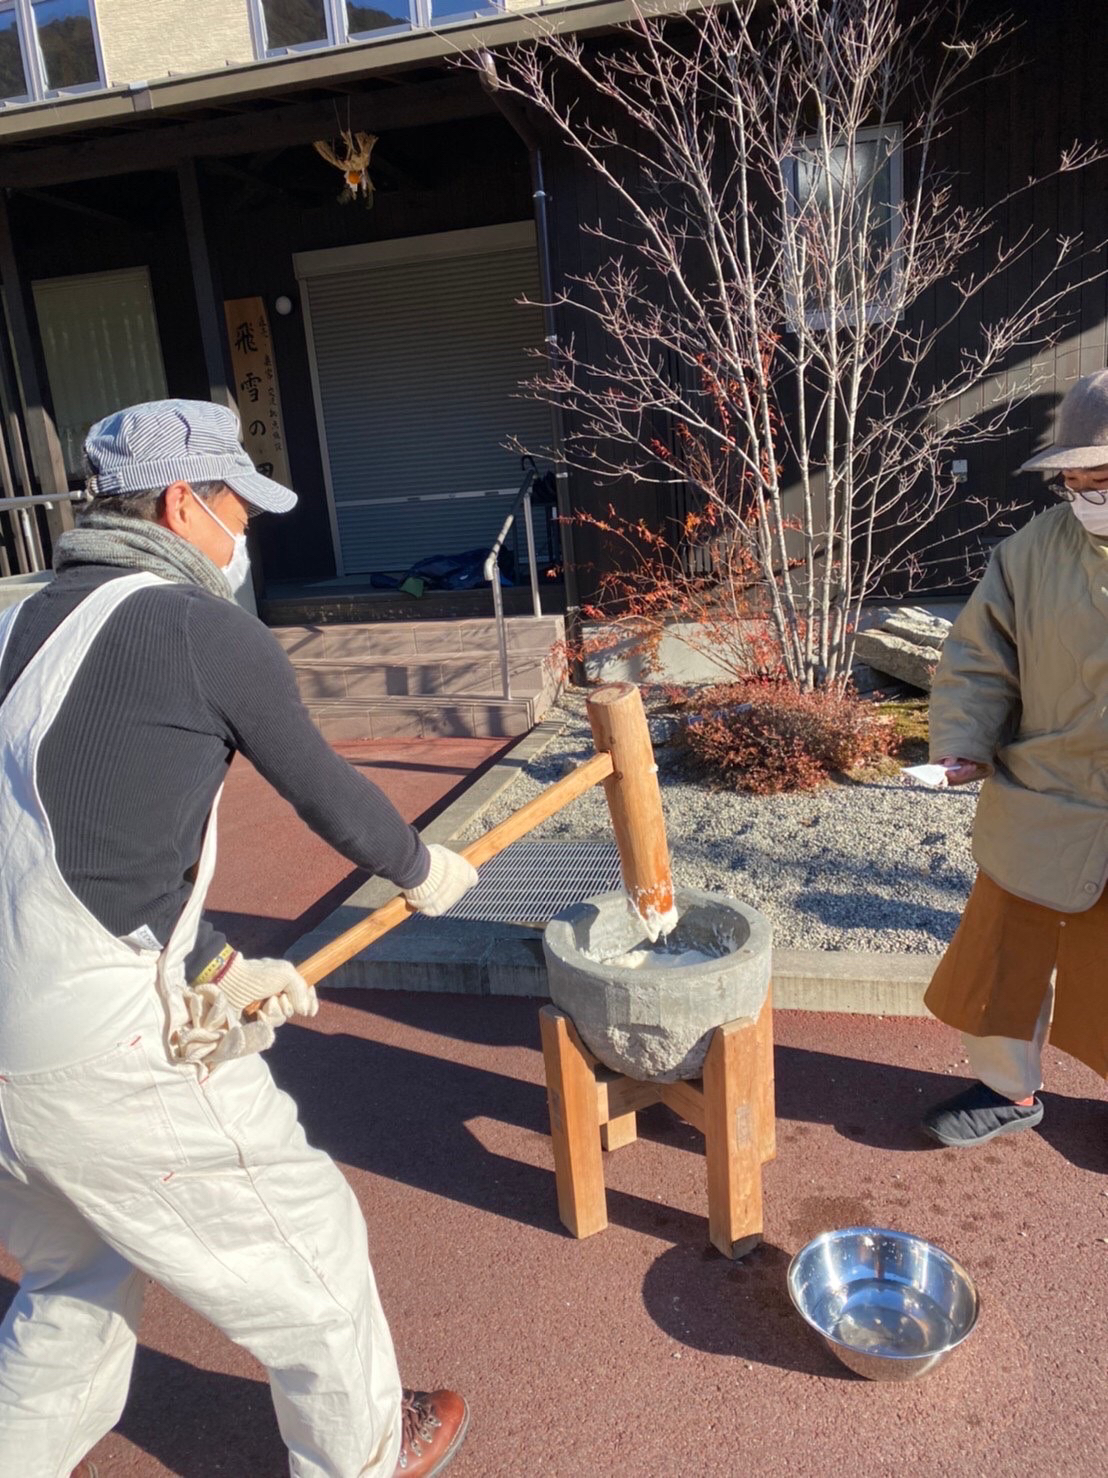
214,1032
450,878
275,983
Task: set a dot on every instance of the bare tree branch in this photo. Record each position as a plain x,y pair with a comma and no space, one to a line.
783,265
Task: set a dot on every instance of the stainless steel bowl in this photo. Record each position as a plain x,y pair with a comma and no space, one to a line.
889,1306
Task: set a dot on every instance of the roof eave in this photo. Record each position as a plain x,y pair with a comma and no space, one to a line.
330,66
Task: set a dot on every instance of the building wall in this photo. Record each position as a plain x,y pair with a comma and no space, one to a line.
144,39
474,173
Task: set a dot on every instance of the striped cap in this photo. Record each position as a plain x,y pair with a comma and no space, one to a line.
147,447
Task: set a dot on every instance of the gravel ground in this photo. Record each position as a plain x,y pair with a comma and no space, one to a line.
881,866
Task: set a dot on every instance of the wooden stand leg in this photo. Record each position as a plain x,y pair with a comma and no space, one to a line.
762,1092
571,1094
732,1139
618,1132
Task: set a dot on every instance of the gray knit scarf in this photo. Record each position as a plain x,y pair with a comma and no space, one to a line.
137,544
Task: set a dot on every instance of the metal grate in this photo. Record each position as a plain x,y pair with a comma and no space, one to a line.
532,881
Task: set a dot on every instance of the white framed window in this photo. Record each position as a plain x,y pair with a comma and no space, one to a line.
845,213
284,26
48,48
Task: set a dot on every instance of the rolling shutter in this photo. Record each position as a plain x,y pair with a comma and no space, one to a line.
418,359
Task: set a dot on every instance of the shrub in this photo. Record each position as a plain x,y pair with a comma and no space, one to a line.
766,737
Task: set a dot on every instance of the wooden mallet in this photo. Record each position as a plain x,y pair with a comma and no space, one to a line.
624,762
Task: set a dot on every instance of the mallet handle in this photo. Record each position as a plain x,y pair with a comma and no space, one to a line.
620,729
382,919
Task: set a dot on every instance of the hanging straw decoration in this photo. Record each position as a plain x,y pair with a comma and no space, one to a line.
353,162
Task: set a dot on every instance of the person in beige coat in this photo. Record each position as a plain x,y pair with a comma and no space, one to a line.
1021,699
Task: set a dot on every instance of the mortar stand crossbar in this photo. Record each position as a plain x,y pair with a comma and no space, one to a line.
593,1108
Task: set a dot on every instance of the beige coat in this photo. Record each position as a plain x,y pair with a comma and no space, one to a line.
1023,686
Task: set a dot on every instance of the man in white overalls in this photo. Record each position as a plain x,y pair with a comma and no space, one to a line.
141,1134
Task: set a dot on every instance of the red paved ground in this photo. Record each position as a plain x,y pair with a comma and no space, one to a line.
276,879
641,1351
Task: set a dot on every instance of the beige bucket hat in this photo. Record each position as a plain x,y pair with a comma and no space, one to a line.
1081,431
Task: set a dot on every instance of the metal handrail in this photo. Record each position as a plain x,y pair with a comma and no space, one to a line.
16,504
22,500
492,567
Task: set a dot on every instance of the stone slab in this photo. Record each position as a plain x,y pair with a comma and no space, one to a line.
918,626
910,661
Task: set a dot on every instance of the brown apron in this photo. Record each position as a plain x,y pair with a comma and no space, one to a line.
992,980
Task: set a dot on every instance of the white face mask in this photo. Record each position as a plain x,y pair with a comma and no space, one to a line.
1092,516
238,566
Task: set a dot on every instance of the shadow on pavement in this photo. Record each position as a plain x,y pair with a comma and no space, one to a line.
193,1420
514,1022
874,1103
266,935
424,1120
741,1310
412,1122
1078,1129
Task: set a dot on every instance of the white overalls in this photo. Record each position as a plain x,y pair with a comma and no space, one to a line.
119,1162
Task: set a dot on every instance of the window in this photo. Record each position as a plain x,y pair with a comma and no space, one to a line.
445,11
845,215
363,20
281,26
47,47
296,25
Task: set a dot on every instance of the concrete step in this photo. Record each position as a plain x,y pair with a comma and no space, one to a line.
336,680
334,602
442,717
417,639
426,679
477,957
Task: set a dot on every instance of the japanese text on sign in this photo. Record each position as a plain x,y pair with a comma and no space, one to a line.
256,389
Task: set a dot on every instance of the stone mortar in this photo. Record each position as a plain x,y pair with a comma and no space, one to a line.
654,1022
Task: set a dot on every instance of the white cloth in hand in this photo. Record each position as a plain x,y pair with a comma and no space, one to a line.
276,983
450,878
214,1032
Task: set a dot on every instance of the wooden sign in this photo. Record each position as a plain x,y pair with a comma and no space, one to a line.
256,389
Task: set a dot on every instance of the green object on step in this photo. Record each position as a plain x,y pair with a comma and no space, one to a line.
413,585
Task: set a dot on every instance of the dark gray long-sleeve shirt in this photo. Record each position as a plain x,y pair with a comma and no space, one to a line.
175,682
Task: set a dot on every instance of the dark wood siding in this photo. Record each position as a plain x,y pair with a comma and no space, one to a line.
1014,124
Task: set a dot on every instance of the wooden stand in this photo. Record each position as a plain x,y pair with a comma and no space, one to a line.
593,1108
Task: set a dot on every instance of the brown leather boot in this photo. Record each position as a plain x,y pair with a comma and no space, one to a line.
434,1427
85,1470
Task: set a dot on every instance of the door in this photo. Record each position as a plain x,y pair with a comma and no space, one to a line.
102,351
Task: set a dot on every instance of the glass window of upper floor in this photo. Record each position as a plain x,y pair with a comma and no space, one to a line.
47,47
281,26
